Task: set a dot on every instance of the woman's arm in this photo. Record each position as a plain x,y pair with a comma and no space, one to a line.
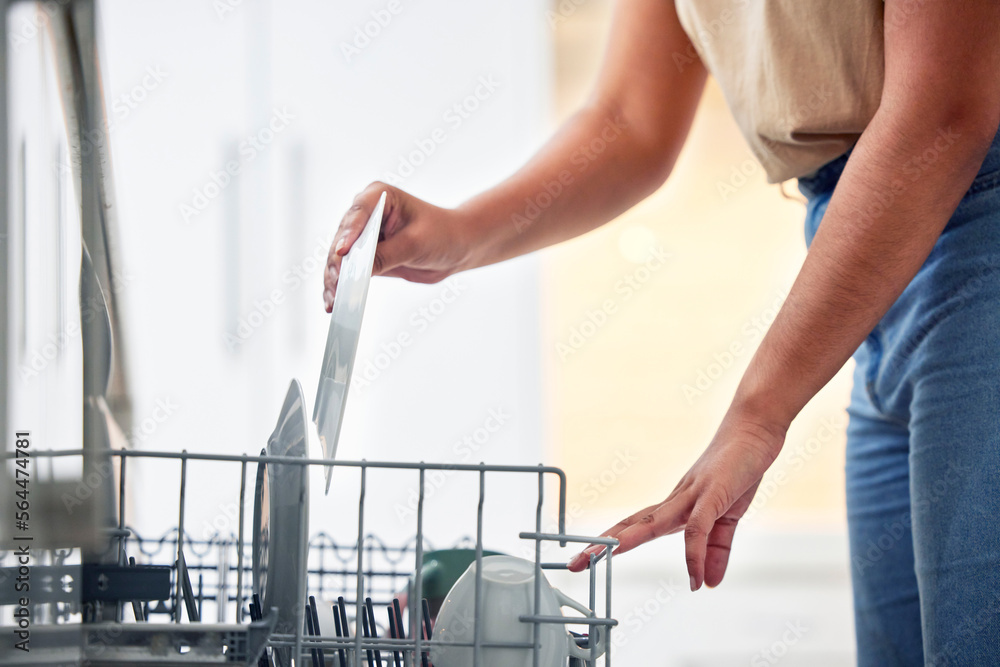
617,150
611,154
941,99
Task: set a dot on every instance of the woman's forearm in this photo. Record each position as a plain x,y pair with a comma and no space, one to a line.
595,168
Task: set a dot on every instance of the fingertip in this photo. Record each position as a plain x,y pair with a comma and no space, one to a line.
713,577
577,562
697,577
696,569
581,561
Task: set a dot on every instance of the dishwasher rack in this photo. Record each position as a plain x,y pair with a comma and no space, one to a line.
211,576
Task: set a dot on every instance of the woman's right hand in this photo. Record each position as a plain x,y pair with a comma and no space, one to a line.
418,241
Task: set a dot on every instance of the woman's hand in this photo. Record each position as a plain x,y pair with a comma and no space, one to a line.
708,501
418,241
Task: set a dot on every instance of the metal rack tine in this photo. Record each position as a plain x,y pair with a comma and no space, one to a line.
370,613
311,631
137,610
425,625
364,630
180,541
239,543
394,633
398,613
343,619
186,591
255,615
313,612
428,623
336,623
343,616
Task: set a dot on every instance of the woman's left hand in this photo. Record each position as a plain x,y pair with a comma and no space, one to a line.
709,500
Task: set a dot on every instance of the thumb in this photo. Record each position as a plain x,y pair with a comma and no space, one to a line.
391,253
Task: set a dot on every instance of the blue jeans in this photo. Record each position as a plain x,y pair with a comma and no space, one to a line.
923,446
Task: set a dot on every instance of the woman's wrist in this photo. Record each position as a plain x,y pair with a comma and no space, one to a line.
763,406
479,229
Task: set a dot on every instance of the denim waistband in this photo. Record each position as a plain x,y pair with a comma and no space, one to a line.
825,179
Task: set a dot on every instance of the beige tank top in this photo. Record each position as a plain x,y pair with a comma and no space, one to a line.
803,78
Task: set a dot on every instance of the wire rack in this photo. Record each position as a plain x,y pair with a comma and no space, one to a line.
208,615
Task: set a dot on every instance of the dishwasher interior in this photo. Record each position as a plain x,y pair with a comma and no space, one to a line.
84,583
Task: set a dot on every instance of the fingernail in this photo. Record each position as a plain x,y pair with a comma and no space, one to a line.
328,298
340,244
694,584
577,559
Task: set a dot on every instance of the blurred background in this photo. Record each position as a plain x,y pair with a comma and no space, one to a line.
520,363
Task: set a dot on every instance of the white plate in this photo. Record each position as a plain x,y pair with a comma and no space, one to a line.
281,521
342,340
